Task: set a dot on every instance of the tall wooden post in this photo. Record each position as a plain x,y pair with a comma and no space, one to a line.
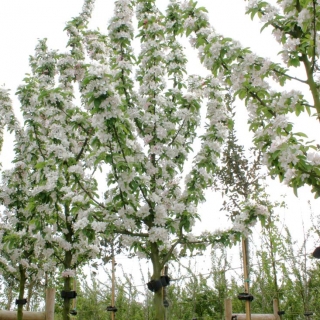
228,309
164,293
50,296
74,301
276,309
113,283
246,275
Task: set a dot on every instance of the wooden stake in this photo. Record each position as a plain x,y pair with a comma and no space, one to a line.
50,296
246,276
164,291
276,309
113,283
228,309
74,301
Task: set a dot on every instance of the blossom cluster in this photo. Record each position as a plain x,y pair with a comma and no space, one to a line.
250,76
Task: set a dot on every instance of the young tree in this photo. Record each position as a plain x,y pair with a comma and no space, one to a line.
40,193
270,253
145,134
22,249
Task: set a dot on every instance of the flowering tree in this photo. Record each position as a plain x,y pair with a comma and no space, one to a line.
144,135
140,121
295,24
40,194
20,241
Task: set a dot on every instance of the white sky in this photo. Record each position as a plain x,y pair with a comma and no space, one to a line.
22,22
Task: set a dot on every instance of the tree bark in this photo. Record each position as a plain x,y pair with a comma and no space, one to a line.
66,301
157,298
67,287
158,305
67,263
22,284
312,84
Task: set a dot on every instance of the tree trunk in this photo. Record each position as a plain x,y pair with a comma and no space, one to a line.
158,305
66,301
157,298
67,265
67,287
22,284
245,254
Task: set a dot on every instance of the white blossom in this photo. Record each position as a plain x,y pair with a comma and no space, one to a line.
68,273
303,16
277,143
313,158
158,234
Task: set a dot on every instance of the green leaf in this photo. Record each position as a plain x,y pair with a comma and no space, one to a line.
242,93
295,62
300,134
97,102
40,165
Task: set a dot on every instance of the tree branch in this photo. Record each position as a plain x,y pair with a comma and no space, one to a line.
38,143
88,193
125,159
290,77
82,149
115,173
314,36
134,234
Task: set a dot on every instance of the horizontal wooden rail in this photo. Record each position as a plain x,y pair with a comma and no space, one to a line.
254,316
27,315
229,315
